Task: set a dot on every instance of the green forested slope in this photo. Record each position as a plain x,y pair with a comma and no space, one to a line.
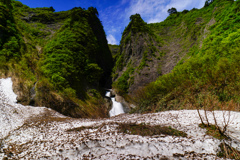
62,60
59,60
208,71
10,38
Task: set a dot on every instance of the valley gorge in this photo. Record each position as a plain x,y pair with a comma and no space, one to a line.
172,85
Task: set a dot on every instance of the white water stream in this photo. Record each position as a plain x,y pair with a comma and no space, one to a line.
117,107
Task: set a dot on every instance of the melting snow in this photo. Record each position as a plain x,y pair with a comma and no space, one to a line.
40,133
7,89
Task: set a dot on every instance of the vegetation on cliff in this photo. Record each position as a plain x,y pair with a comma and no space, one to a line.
10,39
138,52
62,60
56,58
209,72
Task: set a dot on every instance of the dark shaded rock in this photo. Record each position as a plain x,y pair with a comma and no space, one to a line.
32,95
126,106
114,49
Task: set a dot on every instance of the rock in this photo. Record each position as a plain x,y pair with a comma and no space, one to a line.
29,16
108,103
126,106
112,93
32,95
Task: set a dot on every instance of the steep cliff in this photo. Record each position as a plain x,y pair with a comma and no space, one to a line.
59,60
148,51
114,49
137,62
201,63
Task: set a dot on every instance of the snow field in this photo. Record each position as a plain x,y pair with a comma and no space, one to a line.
27,134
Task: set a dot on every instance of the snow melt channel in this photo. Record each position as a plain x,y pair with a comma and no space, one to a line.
117,107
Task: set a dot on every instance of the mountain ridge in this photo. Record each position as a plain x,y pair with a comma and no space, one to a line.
57,61
201,47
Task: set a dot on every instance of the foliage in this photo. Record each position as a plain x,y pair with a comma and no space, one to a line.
138,43
122,84
60,54
185,11
172,11
147,130
143,61
115,49
70,58
137,24
213,131
208,2
213,68
227,151
10,39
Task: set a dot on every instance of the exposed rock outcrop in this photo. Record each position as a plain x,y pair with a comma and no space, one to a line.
148,51
138,60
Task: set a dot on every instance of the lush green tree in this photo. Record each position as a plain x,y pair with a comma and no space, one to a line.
172,10
208,2
52,9
9,35
185,11
74,58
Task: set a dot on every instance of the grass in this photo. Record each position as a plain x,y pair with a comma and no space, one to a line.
207,43
228,152
147,130
213,131
137,129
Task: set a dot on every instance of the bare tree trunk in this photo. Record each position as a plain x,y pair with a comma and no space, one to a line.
200,116
216,124
205,113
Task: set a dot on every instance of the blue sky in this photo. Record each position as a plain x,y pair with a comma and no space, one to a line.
115,14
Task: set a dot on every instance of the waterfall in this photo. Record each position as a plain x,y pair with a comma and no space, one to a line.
117,107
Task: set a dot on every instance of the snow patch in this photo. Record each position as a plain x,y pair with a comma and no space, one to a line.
41,133
13,115
8,90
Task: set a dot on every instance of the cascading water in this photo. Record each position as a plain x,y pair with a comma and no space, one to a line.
117,107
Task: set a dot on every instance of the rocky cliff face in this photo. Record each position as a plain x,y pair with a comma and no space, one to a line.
199,49
114,49
137,63
148,51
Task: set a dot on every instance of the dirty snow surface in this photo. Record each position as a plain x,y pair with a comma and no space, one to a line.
40,133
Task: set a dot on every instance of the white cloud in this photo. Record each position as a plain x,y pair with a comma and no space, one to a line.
156,10
111,39
116,18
